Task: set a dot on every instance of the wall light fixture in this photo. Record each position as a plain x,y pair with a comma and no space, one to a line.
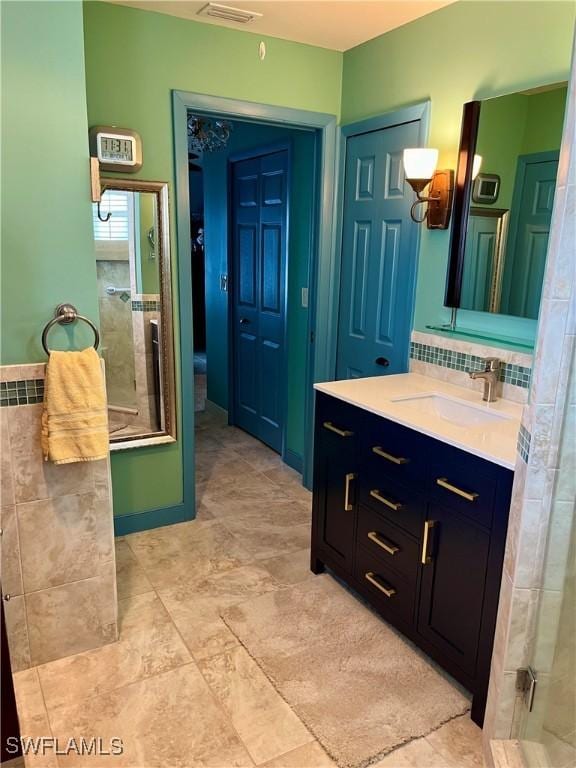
420,171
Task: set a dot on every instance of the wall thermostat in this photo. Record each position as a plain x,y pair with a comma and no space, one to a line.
486,188
117,149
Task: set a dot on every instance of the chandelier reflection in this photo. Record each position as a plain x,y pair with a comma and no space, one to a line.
206,135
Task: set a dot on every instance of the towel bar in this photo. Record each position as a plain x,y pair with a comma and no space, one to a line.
65,314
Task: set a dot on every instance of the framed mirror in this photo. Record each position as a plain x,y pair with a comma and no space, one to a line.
132,244
505,183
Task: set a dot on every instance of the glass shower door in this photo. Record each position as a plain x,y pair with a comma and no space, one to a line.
548,731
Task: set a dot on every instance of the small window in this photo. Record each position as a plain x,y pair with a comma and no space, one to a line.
116,228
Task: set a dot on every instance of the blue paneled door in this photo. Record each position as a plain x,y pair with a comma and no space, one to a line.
530,219
379,255
480,257
259,247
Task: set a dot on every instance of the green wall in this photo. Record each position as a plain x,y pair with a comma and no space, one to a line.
518,124
468,50
135,58
245,137
47,245
544,121
133,61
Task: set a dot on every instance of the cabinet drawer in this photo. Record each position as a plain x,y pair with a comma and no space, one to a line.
393,546
336,419
395,451
399,504
385,586
464,483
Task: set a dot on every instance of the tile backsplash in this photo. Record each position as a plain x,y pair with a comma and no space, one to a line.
58,562
21,392
450,360
524,438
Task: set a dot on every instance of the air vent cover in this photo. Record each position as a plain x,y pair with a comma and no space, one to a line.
218,11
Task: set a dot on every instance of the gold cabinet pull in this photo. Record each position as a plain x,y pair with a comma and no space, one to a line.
341,432
373,579
425,559
395,505
388,456
468,495
386,545
349,477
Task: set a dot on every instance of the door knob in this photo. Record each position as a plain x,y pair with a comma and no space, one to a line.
244,321
382,361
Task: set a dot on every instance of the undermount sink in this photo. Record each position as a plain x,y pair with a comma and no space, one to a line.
452,410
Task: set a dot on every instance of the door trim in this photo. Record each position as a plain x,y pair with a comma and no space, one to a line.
419,112
238,157
323,284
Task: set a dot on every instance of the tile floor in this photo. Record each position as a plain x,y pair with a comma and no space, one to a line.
177,688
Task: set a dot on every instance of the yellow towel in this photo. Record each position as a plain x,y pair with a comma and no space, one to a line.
75,417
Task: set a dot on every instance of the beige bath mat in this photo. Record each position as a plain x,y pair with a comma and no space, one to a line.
359,686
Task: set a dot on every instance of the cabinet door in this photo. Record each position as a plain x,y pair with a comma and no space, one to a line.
336,488
455,552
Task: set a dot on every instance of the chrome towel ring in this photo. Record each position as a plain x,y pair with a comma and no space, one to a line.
65,314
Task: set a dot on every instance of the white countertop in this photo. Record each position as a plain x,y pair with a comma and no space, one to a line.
494,442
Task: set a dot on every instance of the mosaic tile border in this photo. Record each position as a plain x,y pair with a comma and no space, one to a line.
21,392
145,306
517,375
523,445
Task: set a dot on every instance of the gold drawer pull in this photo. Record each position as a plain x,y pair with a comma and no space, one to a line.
443,482
348,507
388,456
341,432
372,578
425,557
387,546
395,505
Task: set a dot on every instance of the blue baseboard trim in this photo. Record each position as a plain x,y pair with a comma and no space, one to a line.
153,518
294,460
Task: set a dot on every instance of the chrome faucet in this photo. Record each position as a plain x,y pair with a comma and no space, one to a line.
490,374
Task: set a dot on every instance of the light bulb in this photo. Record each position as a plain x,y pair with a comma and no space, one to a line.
476,166
420,163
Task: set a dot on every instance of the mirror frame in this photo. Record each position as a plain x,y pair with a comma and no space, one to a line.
462,198
167,367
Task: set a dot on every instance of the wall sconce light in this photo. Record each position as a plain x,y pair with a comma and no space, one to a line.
420,170
476,165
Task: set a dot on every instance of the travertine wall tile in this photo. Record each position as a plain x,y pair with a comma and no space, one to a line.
11,568
35,478
6,474
58,559
73,617
63,539
17,631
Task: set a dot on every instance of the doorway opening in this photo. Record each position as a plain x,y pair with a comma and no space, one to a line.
252,194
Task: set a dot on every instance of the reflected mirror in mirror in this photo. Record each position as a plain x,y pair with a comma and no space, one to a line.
132,267
510,210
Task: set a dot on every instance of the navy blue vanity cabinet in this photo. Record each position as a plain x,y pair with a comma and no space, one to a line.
418,528
335,484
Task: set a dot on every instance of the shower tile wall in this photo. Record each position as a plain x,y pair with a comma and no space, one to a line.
58,562
536,581
145,308
117,332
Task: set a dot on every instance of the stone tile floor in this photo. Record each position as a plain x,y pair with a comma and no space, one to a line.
177,688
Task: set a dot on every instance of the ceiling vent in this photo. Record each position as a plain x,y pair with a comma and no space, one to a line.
226,12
